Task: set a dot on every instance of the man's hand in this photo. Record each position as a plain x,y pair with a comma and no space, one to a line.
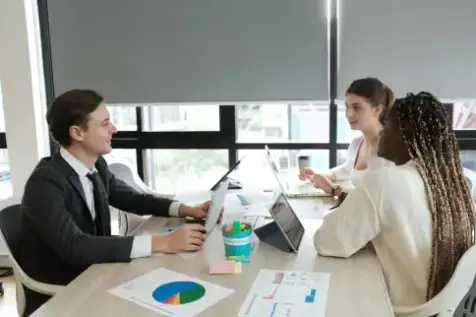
197,212
188,237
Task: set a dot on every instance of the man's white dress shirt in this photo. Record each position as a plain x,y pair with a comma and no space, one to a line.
141,245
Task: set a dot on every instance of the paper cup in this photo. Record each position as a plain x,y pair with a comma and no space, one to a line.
304,161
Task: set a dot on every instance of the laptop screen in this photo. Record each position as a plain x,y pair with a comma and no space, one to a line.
234,167
270,160
218,200
286,218
274,169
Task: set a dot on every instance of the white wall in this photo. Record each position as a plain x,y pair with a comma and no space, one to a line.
21,75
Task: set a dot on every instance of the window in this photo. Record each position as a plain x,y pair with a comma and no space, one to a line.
464,115
127,156
468,159
173,171
6,189
194,162
283,123
123,117
341,157
181,118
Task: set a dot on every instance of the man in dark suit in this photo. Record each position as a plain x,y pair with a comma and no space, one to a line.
65,207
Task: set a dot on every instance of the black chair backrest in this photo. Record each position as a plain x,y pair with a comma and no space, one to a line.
12,227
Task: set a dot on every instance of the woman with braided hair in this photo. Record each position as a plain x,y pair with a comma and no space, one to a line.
417,214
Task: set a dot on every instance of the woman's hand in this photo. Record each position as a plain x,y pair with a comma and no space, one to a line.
322,182
305,174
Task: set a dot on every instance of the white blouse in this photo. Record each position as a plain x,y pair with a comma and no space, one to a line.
389,209
347,171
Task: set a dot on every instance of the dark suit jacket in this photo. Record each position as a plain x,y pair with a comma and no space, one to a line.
60,240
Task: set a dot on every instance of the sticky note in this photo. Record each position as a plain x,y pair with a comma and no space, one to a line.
239,258
225,267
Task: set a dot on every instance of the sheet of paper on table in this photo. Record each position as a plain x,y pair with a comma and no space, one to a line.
287,294
171,293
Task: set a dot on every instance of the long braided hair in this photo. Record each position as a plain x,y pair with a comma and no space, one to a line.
426,130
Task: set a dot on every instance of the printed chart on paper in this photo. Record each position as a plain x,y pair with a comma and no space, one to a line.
171,293
287,294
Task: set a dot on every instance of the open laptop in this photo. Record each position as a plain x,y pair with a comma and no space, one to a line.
307,190
233,183
216,204
286,231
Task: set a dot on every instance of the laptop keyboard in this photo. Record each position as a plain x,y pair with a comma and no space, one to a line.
308,194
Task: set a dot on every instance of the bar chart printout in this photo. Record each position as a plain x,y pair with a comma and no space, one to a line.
287,294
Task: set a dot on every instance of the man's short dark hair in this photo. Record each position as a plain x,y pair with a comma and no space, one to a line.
71,108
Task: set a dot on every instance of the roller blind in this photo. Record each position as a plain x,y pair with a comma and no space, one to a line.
411,45
164,51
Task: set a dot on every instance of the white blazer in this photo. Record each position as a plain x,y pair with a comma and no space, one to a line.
389,209
346,171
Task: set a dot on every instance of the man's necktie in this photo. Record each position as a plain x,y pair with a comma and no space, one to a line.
101,205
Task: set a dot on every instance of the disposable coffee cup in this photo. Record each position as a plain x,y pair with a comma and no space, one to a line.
304,161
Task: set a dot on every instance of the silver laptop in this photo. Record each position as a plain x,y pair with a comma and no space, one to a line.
292,191
216,204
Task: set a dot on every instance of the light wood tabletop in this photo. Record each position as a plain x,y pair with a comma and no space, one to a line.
357,287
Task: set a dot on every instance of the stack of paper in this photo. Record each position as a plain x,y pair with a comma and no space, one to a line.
225,267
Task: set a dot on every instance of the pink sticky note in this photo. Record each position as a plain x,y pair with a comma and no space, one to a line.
225,267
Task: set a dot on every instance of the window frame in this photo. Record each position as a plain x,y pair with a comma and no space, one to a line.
226,137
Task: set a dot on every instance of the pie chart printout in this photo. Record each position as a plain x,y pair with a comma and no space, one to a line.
178,293
171,293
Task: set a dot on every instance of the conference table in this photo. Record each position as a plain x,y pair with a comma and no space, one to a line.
357,286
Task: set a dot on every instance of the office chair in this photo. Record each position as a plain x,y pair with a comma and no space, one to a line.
448,302
467,307
129,223
470,176
6,271
11,236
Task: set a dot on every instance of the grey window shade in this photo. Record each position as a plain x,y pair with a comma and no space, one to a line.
177,51
411,45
